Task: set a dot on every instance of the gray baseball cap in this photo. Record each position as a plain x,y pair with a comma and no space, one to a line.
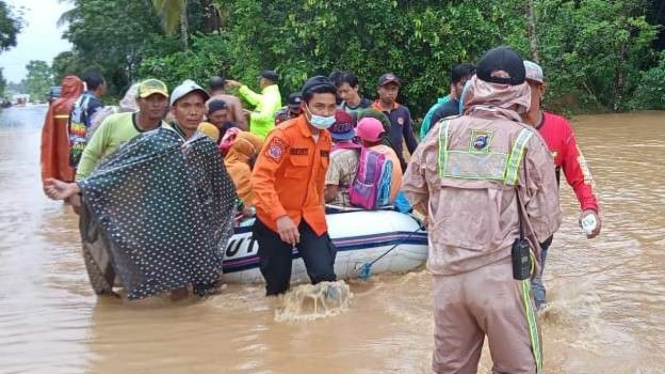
534,72
185,88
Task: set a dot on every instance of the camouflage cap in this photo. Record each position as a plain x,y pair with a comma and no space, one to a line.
534,72
152,86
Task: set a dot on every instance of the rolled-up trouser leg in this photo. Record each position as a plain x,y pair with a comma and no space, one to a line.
275,258
539,291
318,253
497,301
458,339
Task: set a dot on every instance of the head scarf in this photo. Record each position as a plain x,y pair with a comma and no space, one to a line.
72,87
55,141
128,102
244,149
510,101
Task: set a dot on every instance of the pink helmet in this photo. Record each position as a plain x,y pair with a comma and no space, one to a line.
370,129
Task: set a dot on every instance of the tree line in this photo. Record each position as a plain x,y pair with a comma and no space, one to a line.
598,55
10,26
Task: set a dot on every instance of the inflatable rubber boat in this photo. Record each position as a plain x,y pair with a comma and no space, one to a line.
360,237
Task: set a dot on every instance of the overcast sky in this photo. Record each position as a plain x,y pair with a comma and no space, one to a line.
40,39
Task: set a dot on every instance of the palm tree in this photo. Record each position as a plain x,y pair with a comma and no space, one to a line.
174,13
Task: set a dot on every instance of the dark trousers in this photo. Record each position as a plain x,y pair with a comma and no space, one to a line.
318,253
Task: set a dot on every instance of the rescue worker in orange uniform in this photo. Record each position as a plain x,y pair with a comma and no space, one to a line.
288,183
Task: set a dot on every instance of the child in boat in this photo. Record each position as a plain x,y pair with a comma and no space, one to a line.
371,133
343,159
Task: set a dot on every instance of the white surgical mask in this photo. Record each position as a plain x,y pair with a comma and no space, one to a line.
320,122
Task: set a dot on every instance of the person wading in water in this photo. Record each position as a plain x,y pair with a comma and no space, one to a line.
486,183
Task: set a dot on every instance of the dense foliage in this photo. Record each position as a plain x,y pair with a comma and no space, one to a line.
597,53
111,35
10,26
39,80
651,91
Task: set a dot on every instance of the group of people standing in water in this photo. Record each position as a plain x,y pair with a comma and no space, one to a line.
160,186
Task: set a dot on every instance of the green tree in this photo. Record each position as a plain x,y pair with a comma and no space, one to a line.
18,88
113,36
3,83
39,79
594,50
173,13
650,93
419,41
64,63
10,26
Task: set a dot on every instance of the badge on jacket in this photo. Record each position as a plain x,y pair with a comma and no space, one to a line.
276,149
480,141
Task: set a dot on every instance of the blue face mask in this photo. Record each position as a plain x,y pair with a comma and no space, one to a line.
320,122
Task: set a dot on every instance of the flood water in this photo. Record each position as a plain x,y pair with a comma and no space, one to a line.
607,312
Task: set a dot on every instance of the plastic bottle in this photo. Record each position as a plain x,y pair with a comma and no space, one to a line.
589,224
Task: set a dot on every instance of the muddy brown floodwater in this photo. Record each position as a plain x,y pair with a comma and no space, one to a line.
607,311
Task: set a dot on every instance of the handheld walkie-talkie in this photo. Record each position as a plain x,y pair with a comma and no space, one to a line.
521,254
521,251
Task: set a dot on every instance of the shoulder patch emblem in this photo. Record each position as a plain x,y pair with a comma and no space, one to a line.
276,149
400,121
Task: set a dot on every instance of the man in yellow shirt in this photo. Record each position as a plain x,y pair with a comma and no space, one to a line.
114,131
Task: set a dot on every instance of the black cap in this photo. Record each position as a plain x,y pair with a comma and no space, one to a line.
501,58
216,104
295,99
316,82
270,75
388,78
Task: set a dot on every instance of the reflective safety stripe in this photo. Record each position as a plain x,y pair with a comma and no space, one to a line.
516,156
533,326
495,166
467,165
443,148
61,116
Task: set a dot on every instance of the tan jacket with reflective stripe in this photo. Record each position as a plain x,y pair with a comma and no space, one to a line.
464,179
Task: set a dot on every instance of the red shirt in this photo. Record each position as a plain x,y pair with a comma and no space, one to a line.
560,139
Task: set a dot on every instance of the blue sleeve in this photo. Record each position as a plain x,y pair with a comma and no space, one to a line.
427,121
451,108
